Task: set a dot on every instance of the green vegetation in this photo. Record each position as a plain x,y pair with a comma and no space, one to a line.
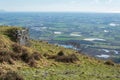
44,61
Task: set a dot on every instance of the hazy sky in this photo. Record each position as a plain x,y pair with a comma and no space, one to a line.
61,5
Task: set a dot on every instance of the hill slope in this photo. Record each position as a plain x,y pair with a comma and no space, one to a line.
50,62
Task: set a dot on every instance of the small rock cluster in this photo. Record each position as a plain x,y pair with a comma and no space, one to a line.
22,37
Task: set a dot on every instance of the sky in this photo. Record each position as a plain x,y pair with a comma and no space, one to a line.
60,5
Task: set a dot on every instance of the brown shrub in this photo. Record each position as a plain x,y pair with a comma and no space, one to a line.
55,56
5,56
32,62
60,57
67,59
46,55
17,48
109,62
12,34
25,57
20,53
36,56
1,72
51,57
61,53
15,56
30,59
74,57
11,75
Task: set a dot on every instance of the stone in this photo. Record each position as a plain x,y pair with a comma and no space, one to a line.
22,37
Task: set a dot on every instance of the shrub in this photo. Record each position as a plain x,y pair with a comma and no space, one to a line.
15,56
36,56
30,59
32,62
51,57
109,62
60,57
17,48
46,55
73,57
1,72
11,75
25,57
60,53
5,56
67,59
12,33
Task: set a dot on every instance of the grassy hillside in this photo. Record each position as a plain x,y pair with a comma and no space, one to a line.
44,61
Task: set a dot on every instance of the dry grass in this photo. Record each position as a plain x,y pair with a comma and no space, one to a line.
5,43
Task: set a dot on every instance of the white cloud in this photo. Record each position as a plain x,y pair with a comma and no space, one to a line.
96,1
73,2
103,1
110,1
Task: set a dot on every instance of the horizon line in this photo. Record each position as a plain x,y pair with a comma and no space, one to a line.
65,11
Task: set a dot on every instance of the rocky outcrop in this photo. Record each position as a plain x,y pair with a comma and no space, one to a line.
22,37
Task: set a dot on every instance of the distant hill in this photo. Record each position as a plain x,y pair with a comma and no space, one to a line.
41,60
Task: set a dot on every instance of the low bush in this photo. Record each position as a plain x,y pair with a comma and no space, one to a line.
51,57
109,62
36,56
19,53
67,59
46,55
11,75
61,53
31,59
17,48
25,57
1,72
11,33
60,57
6,57
32,62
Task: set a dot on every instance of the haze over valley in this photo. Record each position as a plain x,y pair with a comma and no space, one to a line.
94,34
